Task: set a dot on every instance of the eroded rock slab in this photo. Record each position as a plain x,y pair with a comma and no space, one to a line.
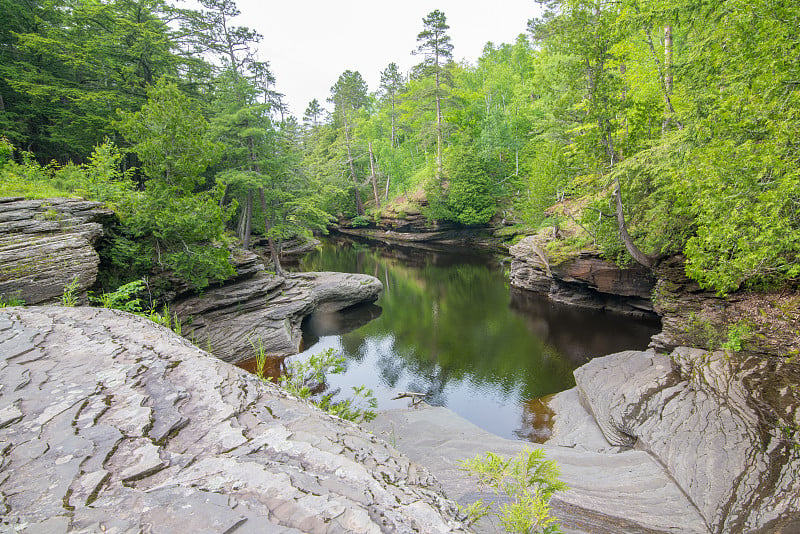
115,424
610,492
268,309
705,417
583,280
46,244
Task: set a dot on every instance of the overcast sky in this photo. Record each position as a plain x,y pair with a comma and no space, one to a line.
309,43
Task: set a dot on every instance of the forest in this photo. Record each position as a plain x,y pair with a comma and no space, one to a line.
642,128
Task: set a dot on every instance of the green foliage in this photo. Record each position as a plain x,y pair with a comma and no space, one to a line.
176,232
526,481
11,300
470,197
100,179
738,334
169,134
6,151
303,378
123,298
165,318
70,297
360,221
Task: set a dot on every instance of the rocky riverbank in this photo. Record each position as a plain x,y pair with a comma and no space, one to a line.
268,309
581,279
109,422
646,442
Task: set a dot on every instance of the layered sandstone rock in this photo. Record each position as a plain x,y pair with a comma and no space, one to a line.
110,423
268,310
47,244
583,279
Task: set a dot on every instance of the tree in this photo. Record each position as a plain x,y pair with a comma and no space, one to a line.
170,136
391,84
349,94
65,67
435,46
313,114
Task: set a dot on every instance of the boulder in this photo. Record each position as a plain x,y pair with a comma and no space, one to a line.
712,420
268,309
110,423
46,244
582,279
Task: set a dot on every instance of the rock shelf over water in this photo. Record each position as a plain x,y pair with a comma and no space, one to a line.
111,423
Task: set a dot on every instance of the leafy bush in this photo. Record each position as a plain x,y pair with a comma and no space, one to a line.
304,379
360,221
528,481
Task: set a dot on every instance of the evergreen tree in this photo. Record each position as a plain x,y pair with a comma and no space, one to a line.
435,46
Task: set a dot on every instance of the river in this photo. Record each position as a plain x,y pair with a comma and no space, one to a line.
448,325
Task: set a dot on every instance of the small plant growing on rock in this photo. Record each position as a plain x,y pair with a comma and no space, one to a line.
123,298
11,300
527,480
307,379
70,297
261,356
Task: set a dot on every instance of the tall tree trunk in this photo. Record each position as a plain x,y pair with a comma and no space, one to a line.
662,77
392,121
248,220
386,194
438,126
630,246
359,203
273,253
374,178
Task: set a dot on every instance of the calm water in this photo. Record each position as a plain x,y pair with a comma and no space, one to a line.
447,325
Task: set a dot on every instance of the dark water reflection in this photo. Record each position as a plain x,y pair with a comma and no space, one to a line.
448,326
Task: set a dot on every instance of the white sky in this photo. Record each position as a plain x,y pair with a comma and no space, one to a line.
309,43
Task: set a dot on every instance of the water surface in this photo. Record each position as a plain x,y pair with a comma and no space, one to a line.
447,325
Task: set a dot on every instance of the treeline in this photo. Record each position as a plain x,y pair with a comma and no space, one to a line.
642,127
654,127
164,113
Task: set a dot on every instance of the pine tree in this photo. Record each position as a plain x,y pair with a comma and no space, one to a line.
435,46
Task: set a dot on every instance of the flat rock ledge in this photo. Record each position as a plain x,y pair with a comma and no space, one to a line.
46,244
269,309
111,423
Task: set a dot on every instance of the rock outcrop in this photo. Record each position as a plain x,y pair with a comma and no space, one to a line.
110,423
269,309
768,323
725,428
610,492
46,244
647,443
582,279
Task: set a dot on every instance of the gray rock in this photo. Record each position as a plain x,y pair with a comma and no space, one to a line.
583,279
698,414
227,321
46,244
609,492
127,427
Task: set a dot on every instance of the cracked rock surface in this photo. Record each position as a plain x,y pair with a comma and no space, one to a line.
111,423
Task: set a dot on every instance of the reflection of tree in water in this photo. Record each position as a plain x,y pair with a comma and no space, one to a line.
448,322
537,420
